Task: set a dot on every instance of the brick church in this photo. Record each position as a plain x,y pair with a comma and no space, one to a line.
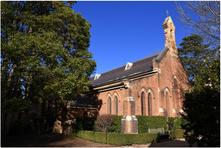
156,83
153,86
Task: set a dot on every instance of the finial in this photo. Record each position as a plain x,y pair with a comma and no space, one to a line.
167,13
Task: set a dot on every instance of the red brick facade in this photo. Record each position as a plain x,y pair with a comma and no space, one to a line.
159,89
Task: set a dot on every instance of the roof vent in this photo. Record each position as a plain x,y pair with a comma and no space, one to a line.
97,76
128,66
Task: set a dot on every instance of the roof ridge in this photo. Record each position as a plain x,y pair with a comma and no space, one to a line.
126,64
146,58
111,70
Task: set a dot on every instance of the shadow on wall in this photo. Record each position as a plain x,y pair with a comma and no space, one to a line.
98,103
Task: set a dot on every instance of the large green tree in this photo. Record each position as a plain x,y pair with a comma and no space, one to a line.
192,53
202,106
44,53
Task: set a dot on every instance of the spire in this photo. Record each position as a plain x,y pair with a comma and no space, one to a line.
169,31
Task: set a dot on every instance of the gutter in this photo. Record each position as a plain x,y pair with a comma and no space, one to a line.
142,73
84,107
111,87
101,90
120,85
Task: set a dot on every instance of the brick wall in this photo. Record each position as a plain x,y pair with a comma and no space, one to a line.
164,88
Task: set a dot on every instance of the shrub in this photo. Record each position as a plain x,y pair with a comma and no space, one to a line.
84,123
174,123
183,121
103,122
177,134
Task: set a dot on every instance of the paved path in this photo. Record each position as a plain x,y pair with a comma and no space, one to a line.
51,140
166,143
59,140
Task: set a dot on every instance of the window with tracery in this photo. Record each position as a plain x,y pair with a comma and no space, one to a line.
142,103
116,99
149,105
109,106
167,102
176,95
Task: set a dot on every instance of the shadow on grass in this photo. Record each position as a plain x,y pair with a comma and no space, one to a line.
170,143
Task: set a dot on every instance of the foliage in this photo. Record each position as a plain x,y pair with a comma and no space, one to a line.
44,53
204,18
177,134
202,106
192,54
174,123
183,121
145,122
84,123
36,125
103,122
116,124
124,139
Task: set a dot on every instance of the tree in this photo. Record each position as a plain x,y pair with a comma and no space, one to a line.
202,106
44,53
192,53
204,18
103,122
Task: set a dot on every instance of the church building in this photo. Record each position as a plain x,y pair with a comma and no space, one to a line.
155,83
151,86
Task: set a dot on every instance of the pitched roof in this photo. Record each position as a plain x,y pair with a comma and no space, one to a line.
138,66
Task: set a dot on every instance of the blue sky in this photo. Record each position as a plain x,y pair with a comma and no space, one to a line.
127,31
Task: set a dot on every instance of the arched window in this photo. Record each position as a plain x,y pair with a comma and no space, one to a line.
167,103
116,99
109,106
176,95
149,105
167,107
142,103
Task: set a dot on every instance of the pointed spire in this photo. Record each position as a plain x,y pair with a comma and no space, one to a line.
169,31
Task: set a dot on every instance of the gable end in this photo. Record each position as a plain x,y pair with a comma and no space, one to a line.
161,55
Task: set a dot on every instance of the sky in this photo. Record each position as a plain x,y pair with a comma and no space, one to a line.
127,31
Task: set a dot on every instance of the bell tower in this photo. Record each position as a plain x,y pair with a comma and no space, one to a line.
169,31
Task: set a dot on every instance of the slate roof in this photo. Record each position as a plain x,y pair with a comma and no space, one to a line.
138,66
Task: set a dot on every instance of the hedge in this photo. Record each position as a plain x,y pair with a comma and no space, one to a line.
116,124
144,122
112,138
